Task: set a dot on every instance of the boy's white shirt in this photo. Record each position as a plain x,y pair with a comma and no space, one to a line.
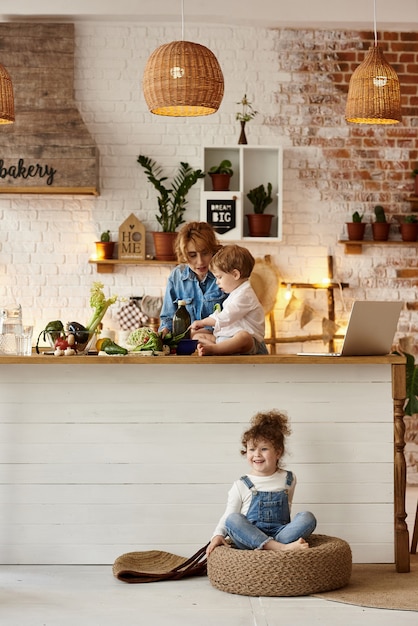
239,496
240,311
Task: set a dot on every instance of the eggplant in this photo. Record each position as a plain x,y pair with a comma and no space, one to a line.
80,332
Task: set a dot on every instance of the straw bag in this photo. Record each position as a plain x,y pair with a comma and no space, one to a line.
154,565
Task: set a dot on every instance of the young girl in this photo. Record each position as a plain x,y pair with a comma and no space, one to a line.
257,516
239,327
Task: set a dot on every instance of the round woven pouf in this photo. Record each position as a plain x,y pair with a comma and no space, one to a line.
324,566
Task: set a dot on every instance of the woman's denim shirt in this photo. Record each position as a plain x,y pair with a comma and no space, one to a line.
183,284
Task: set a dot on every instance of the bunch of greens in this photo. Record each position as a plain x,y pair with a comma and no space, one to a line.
100,304
145,339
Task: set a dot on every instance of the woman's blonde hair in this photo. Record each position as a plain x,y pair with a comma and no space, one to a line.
272,426
201,234
234,257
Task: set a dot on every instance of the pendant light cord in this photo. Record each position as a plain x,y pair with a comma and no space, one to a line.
375,28
182,20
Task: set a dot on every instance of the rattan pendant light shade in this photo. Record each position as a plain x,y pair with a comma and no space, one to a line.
374,95
183,79
7,106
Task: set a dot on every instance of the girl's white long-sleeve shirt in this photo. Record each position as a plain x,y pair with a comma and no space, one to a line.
241,311
239,496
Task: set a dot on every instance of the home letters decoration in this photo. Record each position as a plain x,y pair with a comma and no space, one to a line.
131,242
221,214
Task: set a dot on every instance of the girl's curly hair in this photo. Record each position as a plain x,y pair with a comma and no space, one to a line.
272,426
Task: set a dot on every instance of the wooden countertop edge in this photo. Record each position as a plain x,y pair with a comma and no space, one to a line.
284,359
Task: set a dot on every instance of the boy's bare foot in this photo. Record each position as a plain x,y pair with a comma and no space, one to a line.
205,349
299,544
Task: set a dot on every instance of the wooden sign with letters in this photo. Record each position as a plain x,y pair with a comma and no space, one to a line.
131,242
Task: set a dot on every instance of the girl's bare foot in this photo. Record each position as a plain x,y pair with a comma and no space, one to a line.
299,544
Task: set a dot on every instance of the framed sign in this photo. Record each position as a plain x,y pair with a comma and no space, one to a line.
222,210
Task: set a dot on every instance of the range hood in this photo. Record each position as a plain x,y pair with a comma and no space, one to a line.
48,149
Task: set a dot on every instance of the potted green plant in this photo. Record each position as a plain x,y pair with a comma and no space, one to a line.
356,228
105,247
409,228
221,175
171,202
259,223
414,175
381,227
246,114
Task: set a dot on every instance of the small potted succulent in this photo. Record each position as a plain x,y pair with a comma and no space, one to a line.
221,175
105,247
409,228
381,227
356,228
259,223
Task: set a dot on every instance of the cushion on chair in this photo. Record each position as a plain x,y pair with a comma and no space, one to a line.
326,565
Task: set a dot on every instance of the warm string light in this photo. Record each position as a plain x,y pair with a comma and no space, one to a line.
288,292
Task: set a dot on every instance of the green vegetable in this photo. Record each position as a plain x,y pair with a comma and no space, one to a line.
110,347
54,329
100,305
172,341
217,307
145,339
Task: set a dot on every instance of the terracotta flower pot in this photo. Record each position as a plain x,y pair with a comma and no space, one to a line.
380,231
220,182
259,224
164,246
355,230
104,250
409,231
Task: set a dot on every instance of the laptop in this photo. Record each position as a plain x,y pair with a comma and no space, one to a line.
371,328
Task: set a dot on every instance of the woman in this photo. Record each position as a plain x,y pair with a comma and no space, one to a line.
192,280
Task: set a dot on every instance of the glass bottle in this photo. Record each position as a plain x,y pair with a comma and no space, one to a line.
10,329
181,320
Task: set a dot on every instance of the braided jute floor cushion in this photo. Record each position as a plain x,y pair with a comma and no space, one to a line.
326,565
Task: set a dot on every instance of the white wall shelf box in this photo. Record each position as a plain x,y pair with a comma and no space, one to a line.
252,166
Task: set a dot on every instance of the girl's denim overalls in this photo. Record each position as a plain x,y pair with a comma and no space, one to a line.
268,517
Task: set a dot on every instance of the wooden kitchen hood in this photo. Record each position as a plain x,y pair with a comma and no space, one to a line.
48,149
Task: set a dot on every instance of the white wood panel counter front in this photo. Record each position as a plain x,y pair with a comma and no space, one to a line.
105,455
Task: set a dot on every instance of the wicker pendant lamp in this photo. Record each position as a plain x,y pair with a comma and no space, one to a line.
7,106
374,95
183,79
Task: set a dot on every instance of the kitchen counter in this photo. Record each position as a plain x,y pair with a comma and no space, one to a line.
103,455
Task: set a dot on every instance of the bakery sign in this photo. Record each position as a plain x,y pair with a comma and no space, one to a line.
23,170
222,214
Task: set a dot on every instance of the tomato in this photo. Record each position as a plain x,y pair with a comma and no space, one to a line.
61,343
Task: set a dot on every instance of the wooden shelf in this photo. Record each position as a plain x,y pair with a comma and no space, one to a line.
107,265
356,247
414,201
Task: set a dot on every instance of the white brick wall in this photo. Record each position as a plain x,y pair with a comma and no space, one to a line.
45,242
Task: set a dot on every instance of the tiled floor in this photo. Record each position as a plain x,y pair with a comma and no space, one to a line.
90,596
